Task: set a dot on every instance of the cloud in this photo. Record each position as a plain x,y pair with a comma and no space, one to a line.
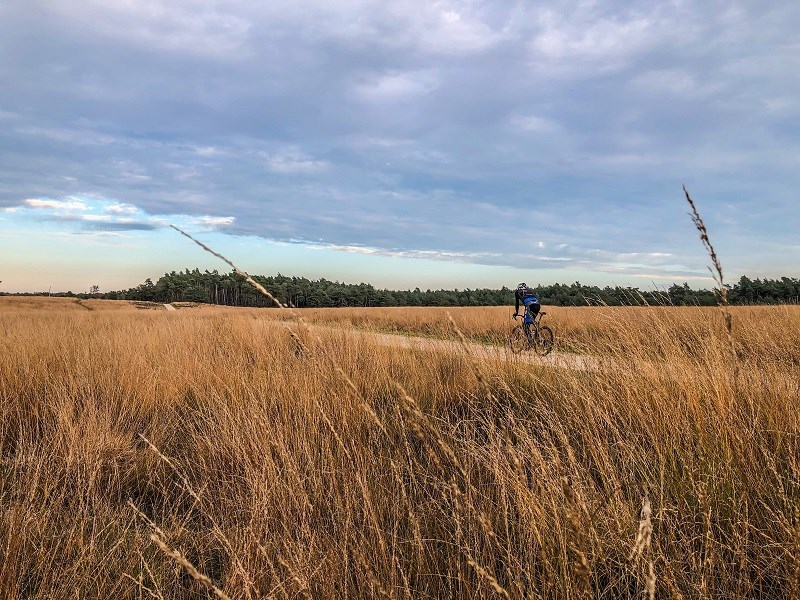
210,221
100,223
100,234
97,218
129,171
119,208
81,137
120,226
607,42
94,215
207,151
398,85
456,31
442,255
292,161
483,132
670,82
534,124
160,25
67,205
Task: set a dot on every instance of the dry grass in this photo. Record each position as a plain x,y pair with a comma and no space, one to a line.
135,443
585,329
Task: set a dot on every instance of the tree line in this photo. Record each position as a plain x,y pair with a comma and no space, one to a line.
232,290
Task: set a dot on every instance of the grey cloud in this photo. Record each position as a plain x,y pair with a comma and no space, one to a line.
132,226
99,224
473,129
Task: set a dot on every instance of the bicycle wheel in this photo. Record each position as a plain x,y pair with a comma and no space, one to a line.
544,341
517,341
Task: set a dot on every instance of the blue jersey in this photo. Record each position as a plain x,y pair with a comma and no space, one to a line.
527,296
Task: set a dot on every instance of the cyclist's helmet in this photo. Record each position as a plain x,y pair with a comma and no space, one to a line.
522,286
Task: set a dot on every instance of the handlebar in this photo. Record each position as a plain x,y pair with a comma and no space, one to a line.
539,315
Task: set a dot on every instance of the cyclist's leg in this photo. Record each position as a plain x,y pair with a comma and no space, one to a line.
526,327
531,309
530,316
534,309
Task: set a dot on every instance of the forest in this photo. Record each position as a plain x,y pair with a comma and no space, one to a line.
193,285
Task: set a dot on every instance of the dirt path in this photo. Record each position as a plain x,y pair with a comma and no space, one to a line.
555,360
559,360
170,307
79,302
485,352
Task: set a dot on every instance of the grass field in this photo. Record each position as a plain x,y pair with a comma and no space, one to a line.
207,451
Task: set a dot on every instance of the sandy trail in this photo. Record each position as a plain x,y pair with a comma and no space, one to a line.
485,352
559,360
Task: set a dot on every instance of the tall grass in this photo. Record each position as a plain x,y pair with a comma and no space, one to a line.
136,442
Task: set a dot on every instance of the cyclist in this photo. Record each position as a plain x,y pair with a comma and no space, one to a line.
529,299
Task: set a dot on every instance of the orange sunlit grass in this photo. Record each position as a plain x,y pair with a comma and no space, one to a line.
136,442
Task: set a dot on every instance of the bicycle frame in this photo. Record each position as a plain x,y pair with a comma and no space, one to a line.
535,322
533,332
532,326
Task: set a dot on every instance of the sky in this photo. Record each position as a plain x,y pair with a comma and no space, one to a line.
404,144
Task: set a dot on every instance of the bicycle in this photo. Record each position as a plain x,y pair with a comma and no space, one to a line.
531,335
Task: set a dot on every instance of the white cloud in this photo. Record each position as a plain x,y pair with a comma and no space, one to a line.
781,106
582,37
398,85
680,83
207,151
621,256
193,27
377,142
119,208
553,258
456,32
534,124
440,29
211,221
292,161
396,253
84,137
130,171
71,204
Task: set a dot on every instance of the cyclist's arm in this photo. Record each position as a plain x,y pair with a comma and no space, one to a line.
516,297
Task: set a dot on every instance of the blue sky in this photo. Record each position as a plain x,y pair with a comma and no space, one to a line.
430,144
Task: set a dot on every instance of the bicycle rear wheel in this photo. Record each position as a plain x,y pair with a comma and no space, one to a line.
517,340
544,340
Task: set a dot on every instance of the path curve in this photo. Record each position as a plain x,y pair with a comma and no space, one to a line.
559,360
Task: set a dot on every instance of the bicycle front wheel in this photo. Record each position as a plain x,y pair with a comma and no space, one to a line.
517,341
544,341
